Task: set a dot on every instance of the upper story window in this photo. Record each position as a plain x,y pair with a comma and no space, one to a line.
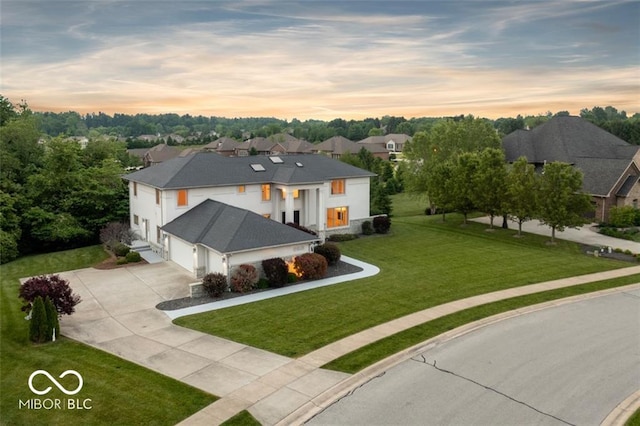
182,198
157,196
337,186
296,193
135,189
391,146
241,189
266,192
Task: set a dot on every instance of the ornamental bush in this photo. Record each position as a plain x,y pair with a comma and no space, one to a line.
53,324
215,284
56,288
329,251
367,228
275,270
310,266
338,238
120,249
244,278
381,224
133,257
116,232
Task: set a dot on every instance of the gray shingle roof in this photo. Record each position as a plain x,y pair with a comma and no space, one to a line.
205,169
228,229
338,145
601,156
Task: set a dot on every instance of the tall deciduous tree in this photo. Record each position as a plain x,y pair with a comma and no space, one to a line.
522,188
561,202
461,183
490,183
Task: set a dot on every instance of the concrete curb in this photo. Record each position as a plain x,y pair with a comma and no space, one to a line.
346,387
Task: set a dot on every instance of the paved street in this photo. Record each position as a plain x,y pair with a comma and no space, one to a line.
570,364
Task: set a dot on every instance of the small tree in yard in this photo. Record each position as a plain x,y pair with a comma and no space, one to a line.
561,202
522,189
116,232
489,183
38,324
276,271
53,324
52,286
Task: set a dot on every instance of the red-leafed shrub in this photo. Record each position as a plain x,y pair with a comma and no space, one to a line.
329,251
381,224
244,278
52,286
302,228
276,271
215,284
310,266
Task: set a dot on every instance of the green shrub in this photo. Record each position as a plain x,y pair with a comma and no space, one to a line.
310,266
53,324
276,271
122,261
628,252
381,224
292,278
121,249
329,251
622,217
38,324
367,228
214,284
338,238
263,283
133,257
244,278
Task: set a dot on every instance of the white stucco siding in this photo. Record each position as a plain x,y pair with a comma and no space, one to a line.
257,256
143,205
214,262
356,197
181,252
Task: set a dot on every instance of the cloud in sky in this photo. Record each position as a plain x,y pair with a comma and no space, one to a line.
321,59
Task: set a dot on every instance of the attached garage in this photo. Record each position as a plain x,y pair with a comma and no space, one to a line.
216,237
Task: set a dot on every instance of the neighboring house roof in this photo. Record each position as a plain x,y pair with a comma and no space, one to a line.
205,169
161,153
280,142
399,138
627,186
222,144
338,145
602,157
228,229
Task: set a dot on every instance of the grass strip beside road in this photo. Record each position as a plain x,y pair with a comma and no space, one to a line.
377,351
120,392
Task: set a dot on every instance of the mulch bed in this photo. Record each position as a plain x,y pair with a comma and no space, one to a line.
111,262
341,268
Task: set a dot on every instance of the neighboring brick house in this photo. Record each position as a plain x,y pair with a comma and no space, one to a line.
337,146
313,191
611,166
384,146
281,143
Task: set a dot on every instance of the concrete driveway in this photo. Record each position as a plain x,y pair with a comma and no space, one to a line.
118,315
568,364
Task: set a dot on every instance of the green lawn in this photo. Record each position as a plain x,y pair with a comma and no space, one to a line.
423,263
120,392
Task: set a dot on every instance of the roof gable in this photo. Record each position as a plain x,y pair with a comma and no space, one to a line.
229,229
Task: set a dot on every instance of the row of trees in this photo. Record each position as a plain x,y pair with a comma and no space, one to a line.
200,129
55,195
461,168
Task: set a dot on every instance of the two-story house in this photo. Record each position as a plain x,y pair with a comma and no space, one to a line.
181,206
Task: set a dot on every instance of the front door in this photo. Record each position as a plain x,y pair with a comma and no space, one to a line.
296,217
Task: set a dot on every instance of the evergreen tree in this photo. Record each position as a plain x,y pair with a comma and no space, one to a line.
53,324
38,325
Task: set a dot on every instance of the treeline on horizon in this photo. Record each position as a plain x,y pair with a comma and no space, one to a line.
201,130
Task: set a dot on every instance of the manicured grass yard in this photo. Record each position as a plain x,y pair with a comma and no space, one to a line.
120,392
423,263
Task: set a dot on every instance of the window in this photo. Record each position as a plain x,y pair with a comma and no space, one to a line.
135,219
182,197
158,196
296,193
267,215
135,189
337,216
266,192
241,189
337,186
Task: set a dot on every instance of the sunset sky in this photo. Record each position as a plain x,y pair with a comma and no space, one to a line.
321,59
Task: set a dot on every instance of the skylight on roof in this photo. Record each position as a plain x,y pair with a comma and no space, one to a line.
299,164
257,167
276,160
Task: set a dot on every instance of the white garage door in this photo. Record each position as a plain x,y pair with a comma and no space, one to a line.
181,253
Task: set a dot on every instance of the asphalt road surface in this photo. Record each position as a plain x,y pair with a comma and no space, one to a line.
566,365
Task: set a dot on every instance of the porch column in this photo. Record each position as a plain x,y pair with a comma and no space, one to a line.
321,213
288,205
